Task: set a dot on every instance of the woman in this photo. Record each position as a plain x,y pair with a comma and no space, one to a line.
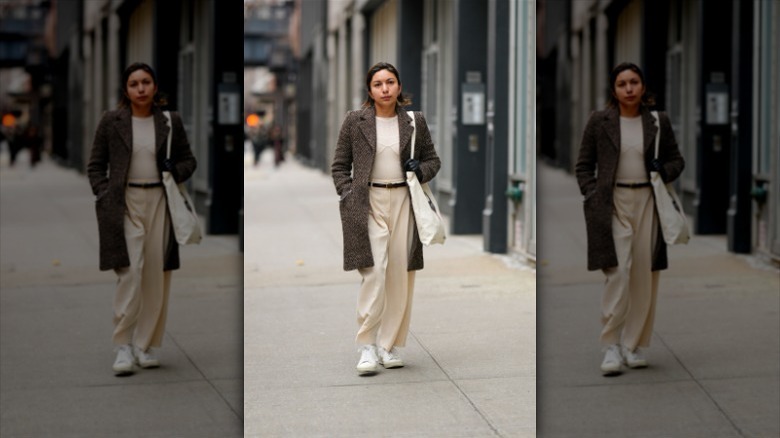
136,236
276,139
380,238
624,235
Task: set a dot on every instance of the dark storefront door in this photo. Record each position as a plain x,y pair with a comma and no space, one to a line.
714,141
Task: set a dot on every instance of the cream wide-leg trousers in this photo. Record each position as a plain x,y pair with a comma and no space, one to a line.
384,304
628,302
141,300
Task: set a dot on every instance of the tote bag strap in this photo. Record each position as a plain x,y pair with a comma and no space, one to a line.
414,131
170,131
657,134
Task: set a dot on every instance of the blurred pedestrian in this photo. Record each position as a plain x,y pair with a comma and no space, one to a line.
276,139
5,138
16,143
380,237
136,235
34,142
624,236
259,139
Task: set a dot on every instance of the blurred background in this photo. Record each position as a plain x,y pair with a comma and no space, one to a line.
713,66
469,65
60,68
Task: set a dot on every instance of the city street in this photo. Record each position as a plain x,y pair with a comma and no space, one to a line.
714,357
470,358
56,324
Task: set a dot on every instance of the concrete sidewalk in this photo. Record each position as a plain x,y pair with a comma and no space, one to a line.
715,353
470,358
56,325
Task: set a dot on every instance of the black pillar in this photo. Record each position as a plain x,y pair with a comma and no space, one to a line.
226,172
713,144
470,141
60,100
410,43
655,24
305,94
166,50
740,204
494,216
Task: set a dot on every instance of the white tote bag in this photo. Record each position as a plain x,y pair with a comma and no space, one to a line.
674,224
180,205
430,225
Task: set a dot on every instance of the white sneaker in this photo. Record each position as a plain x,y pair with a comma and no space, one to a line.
634,359
612,360
390,359
368,360
145,359
123,365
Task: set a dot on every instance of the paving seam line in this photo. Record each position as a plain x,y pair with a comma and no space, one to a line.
471,402
701,387
352,385
173,339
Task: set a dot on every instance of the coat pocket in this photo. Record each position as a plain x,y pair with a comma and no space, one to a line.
346,207
590,195
102,195
345,195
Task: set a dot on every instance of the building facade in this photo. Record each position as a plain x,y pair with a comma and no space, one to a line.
716,76
468,66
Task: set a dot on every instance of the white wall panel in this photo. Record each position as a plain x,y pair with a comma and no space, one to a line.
628,37
140,34
384,34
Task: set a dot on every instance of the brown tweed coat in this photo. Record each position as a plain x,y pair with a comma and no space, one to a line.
596,168
107,170
351,170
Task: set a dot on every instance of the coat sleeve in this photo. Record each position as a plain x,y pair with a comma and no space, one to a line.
429,160
97,166
341,168
181,153
669,154
585,169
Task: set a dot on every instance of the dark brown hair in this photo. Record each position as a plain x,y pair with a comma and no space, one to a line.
647,98
403,98
124,101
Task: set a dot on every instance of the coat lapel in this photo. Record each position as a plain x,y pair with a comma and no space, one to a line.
612,127
405,132
367,126
649,129
124,127
160,131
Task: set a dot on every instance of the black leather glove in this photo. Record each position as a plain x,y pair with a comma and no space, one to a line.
413,165
170,167
657,166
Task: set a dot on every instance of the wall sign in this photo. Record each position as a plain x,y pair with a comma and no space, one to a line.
473,103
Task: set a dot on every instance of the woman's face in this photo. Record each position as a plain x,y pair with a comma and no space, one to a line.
628,89
140,88
385,89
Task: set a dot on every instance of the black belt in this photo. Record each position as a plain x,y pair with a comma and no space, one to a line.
388,186
145,185
633,185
